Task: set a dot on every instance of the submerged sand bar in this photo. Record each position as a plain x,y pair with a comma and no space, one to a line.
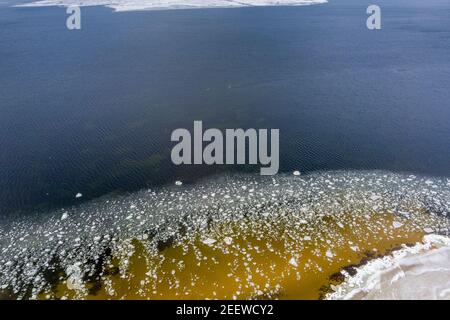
132,5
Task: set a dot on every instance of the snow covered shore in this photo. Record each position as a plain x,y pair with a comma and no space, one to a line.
418,272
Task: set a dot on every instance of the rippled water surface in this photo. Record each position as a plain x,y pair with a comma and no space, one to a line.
91,111
88,204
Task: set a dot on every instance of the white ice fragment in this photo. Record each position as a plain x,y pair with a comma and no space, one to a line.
209,241
329,254
227,240
78,195
397,224
428,230
74,280
65,215
375,197
405,214
293,262
178,183
296,173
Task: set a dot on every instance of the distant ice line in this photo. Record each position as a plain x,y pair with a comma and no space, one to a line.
133,5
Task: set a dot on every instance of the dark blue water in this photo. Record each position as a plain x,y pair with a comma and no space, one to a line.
92,111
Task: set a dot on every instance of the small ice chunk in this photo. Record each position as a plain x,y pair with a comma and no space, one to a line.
227,240
397,224
375,197
293,262
78,195
329,254
209,241
178,183
428,230
65,215
405,214
296,173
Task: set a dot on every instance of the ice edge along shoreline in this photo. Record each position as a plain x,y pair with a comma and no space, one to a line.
370,276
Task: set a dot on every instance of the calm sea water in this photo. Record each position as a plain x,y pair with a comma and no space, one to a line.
91,111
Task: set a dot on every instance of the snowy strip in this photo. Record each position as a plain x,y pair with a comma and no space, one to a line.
132,5
418,272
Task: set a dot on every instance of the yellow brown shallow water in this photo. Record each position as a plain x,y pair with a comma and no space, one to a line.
237,237
267,260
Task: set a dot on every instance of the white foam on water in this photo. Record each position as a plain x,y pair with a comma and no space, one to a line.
76,239
418,272
132,5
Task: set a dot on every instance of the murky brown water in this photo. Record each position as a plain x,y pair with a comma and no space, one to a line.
267,259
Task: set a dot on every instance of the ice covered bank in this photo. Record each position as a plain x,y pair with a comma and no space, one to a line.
418,272
129,5
230,237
